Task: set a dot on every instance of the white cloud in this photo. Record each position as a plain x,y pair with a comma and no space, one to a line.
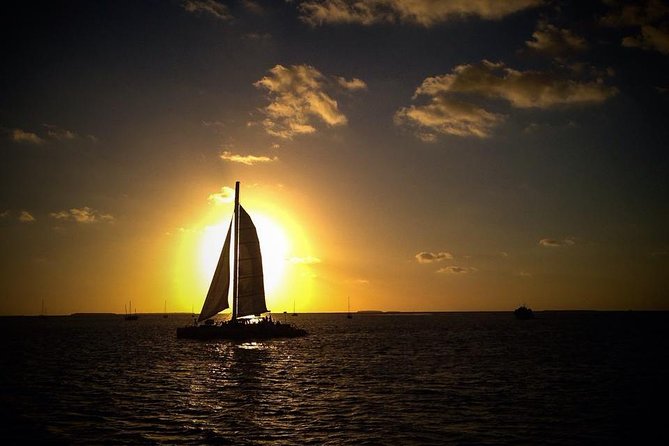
353,84
456,270
249,160
417,12
555,41
226,195
299,100
211,7
60,134
446,116
26,217
555,243
651,38
21,136
522,89
358,281
429,257
82,215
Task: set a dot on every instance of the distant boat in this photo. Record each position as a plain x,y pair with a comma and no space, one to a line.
248,290
43,313
165,312
523,312
129,316
294,312
349,315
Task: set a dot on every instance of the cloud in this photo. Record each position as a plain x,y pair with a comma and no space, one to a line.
299,99
522,89
253,6
353,84
60,134
447,116
226,195
258,37
554,243
82,215
444,114
429,257
249,160
554,41
26,217
21,136
456,270
651,38
211,7
626,13
358,281
416,12
651,19
308,260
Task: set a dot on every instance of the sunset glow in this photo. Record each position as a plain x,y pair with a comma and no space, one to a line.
412,155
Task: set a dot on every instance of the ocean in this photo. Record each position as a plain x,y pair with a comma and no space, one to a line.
563,378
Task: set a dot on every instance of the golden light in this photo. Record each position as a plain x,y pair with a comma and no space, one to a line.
274,245
283,239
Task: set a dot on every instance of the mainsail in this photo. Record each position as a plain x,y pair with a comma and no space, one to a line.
217,297
250,287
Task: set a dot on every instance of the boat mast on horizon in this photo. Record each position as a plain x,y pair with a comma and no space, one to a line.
128,315
248,289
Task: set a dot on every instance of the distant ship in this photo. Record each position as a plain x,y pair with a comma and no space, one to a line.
523,312
349,315
248,291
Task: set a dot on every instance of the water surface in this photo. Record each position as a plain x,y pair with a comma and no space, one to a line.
460,378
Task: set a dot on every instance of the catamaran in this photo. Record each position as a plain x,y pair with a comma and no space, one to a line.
248,290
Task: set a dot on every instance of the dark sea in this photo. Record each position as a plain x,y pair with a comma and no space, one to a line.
563,378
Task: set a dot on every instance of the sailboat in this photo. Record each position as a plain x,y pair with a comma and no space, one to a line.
129,316
165,312
248,290
294,312
349,315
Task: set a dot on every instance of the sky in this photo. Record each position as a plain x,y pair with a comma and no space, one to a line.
411,155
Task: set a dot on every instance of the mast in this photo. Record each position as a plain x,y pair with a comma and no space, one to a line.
235,271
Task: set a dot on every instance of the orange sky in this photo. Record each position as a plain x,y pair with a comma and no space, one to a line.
467,157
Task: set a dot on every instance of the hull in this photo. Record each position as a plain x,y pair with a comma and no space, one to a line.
240,331
523,313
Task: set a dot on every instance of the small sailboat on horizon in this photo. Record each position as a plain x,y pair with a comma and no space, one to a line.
43,312
248,290
128,313
349,315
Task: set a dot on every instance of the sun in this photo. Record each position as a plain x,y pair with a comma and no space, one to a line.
274,246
